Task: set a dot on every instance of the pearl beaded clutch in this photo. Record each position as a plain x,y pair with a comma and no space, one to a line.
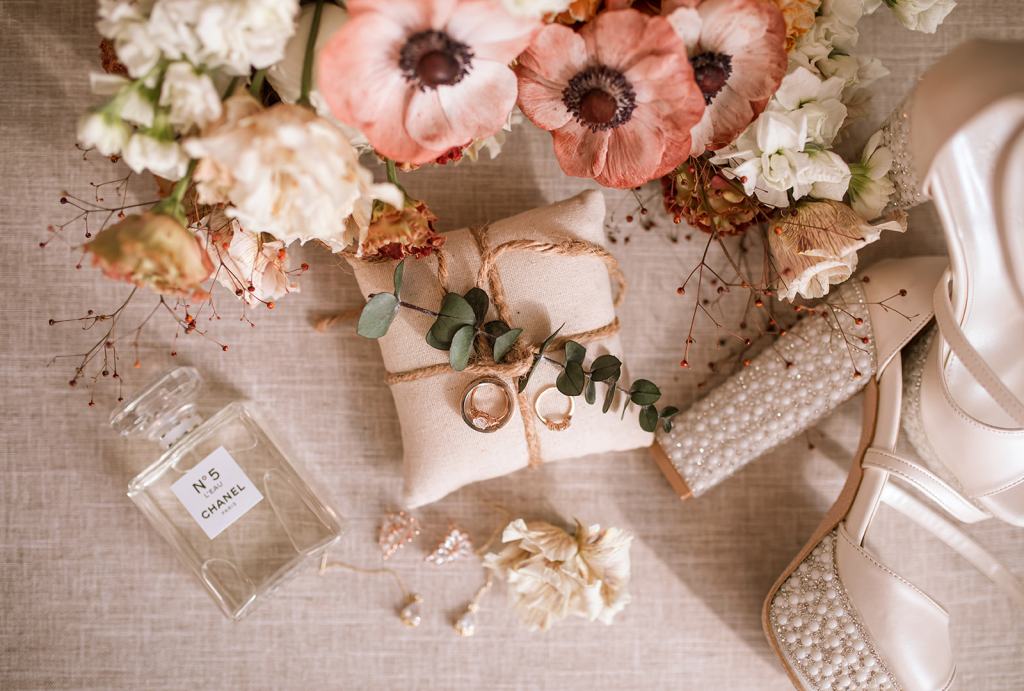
813,368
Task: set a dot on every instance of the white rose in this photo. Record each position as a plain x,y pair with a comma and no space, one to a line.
162,157
104,132
191,95
285,171
535,9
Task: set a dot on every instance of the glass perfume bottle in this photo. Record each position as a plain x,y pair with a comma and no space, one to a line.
223,493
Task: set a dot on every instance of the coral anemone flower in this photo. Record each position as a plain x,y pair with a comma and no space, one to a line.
618,97
420,77
738,52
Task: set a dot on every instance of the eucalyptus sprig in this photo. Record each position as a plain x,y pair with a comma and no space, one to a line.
462,319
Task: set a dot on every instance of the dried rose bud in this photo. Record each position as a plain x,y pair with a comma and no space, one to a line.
395,233
697,193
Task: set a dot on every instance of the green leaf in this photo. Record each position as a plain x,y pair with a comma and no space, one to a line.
574,352
377,315
605,367
648,418
496,328
609,396
590,392
525,379
504,343
669,412
666,425
570,380
644,392
479,301
455,313
399,273
434,343
462,347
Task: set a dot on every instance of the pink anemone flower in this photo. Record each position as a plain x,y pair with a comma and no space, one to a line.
420,77
738,52
618,97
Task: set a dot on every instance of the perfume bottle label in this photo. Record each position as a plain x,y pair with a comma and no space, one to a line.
216,492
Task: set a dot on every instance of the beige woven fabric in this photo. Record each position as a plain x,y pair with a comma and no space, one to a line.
91,598
441,453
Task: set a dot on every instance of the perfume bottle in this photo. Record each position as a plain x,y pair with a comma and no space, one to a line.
223,493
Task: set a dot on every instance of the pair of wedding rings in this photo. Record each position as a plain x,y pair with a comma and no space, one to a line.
487,421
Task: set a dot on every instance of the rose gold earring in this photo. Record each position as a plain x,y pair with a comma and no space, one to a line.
396,530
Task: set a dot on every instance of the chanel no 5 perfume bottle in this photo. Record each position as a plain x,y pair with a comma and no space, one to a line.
223,494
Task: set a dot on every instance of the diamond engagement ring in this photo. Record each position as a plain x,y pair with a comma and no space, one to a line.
485,421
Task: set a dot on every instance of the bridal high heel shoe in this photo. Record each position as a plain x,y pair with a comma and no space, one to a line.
838,617
967,154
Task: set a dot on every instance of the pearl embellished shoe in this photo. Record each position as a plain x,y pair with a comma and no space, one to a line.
812,369
839,618
959,140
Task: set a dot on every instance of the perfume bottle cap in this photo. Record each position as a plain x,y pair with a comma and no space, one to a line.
164,411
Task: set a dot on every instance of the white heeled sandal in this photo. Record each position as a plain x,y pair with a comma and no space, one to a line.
838,617
962,133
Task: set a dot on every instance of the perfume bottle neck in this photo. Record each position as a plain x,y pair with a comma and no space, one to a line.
176,425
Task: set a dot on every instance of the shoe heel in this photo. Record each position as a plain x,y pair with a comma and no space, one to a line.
807,373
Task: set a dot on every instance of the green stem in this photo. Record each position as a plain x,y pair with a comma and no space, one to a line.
392,172
171,205
230,90
307,62
257,82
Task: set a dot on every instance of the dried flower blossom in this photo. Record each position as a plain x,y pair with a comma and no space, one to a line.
252,267
154,251
816,247
285,171
799,17
699,194
579,11
551,574
420,77
618,96
394,233
736,48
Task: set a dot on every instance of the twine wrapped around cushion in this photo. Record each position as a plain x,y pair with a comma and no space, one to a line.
542,268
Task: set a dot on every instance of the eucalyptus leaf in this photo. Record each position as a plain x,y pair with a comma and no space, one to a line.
434,343
496,328
570,380
609,396
377,315
668,412
605,367
644,392
504,343
462,347
574,352
480,303
666,425
399,273
549,339
590,392
648,418
455,313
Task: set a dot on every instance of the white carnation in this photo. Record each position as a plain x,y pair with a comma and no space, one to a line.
162,157
191,95
104,132
285,171
239,34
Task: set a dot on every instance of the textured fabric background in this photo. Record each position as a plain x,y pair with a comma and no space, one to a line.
92,598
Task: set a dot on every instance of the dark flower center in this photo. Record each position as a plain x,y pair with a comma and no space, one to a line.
600,98
433,58
711,70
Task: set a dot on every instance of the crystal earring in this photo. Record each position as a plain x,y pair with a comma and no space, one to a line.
465,625
456,544
396,530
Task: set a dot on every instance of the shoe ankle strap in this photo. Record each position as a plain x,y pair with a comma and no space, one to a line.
926,482
949,327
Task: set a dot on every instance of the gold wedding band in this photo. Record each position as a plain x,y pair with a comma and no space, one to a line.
554,424
481,420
